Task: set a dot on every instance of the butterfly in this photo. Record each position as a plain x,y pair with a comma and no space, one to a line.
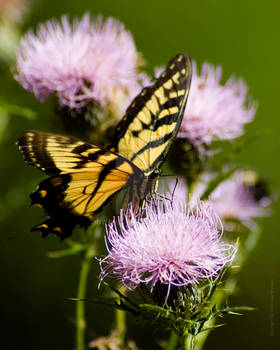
84,177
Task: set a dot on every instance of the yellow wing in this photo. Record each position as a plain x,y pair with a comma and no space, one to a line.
82,179
153,119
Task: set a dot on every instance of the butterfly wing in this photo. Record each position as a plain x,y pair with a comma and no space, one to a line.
83,178
153,119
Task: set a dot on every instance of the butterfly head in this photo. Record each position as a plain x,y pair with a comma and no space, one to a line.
155,174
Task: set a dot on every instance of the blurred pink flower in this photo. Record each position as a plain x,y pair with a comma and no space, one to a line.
237,198
80,62
243,196
12,10
170,245
215,111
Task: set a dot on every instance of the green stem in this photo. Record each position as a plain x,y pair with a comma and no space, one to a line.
172,341
221,295
120,323
250,242
190,190
218,299
189,341
80,308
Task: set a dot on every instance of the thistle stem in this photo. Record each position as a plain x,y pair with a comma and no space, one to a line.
218,299
172,341
120,323
81,294
188,341
230,286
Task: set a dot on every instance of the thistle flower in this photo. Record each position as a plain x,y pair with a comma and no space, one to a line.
12,10
170,245
12,13
215,111
243,196
87,61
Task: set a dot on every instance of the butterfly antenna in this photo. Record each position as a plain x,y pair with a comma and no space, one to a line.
10,238
174,189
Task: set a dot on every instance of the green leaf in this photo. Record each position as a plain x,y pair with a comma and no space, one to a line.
212,185
4,120
65,252
19,111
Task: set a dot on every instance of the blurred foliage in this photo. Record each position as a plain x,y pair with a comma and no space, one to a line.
239,35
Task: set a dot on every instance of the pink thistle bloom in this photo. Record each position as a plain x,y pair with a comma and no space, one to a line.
237,197
170,245
243,196
12,10
215,111
80,62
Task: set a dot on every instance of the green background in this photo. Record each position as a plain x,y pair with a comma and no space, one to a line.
242,36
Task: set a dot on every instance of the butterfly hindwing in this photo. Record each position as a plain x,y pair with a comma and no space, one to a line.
51,196
82,179
152,120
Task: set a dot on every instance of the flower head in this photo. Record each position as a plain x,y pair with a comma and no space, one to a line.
240,197
80,62
170,245
215,111
243,196
12,10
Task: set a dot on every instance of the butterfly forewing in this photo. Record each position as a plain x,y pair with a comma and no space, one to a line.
55,154
152,120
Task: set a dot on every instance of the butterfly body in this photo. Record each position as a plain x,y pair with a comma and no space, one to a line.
84,177
140,189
